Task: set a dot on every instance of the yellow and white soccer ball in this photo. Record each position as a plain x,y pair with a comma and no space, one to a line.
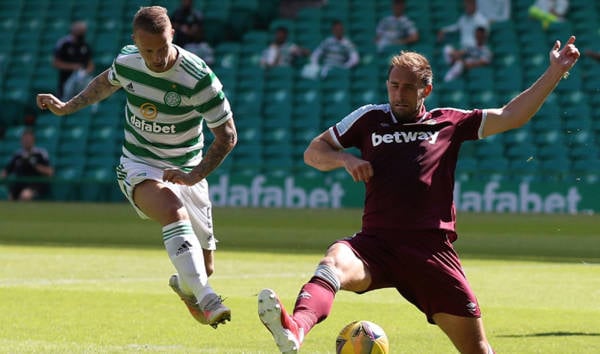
362,337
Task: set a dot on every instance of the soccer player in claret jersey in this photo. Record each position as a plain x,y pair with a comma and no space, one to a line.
162,172
408,158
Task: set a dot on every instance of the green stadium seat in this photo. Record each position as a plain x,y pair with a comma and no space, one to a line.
552,152
521,151
14,132
484,98
555,170
65,185
277,115
279,78
492,165
227,55
97,181
488,150
466,169
107,42
278,96
277,135
306,116
48,138
248,103
524,169
518,136
570,84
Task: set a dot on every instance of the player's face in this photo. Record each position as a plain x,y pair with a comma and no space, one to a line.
27,141
156,49
405,93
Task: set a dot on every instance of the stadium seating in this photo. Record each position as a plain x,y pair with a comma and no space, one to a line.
277,111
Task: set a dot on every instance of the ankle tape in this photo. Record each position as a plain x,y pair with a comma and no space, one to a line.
327,274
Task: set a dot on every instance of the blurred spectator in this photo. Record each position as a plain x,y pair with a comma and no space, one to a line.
198,45
396,29
494,10
549,11
183,18
593,54
73,59
466,25
469,57
281,52
30,162
335,51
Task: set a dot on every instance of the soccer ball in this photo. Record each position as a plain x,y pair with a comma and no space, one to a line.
362,337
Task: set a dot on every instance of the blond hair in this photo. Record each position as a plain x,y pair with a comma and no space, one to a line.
152,19
416,63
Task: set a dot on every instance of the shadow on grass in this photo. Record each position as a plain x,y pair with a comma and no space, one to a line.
545,238
551,334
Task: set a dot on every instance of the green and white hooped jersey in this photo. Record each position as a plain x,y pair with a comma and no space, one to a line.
164,111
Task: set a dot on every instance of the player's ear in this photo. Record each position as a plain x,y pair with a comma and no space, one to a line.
427,90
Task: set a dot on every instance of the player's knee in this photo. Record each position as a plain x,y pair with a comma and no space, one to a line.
328,261
176,213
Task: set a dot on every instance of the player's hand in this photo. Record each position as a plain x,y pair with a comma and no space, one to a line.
50,102
359,169
564,58
177,176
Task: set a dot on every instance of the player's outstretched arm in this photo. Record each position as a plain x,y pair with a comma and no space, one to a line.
521,108
97,90
323,155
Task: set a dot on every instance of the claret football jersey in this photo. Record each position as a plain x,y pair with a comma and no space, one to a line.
413,164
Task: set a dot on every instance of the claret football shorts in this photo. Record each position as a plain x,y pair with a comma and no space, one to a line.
423,266
195,198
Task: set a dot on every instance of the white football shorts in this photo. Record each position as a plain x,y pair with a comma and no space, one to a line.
195,198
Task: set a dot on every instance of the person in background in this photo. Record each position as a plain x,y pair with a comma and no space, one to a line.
280,51
198,45
407,161
467,58
183,19
335,51
593,54
28,165
466,25
74,60
549,11
494,10
396,29
171,93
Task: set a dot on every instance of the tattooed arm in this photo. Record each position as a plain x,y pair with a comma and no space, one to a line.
97,90
225,140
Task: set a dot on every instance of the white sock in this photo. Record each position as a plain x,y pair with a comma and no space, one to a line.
186,255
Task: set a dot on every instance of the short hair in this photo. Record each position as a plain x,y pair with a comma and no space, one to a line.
151,19
416,63
282,29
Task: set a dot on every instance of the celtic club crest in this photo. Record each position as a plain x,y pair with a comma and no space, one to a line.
172,99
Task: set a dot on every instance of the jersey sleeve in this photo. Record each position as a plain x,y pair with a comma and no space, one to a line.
347,132
210,100
113,78
469,124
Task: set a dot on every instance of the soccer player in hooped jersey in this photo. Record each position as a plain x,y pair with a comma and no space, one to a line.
408,158
162,172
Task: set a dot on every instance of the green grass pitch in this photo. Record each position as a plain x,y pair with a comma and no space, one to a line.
89,278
